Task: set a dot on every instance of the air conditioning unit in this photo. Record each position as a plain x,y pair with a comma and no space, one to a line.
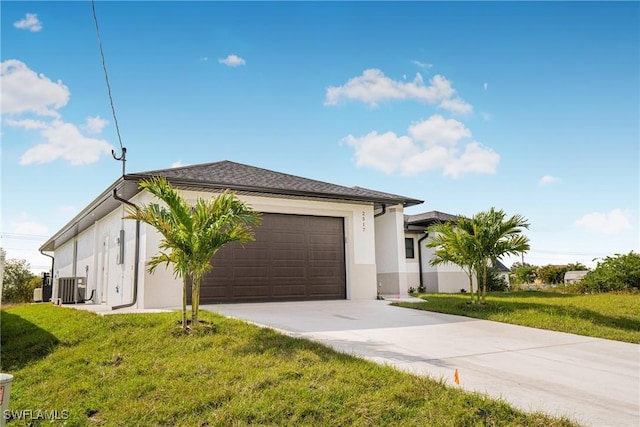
71,290
37,295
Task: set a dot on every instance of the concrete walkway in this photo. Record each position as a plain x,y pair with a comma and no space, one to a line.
595,382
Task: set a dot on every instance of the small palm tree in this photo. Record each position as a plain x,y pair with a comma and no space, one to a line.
478,243
191,235
496,236
453,246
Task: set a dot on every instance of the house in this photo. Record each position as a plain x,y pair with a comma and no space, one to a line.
445,278
317,241
504,272
574,276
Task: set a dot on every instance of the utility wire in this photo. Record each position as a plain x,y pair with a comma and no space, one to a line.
123,156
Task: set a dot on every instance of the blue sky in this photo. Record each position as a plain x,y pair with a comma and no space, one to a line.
528,107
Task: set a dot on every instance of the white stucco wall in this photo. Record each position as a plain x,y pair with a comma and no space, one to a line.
97,251
445,278
94,254
390,253
161,289
413,264
85,260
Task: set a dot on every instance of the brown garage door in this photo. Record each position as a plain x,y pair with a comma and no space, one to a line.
293,258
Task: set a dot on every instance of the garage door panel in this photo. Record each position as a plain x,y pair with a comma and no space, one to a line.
288,291
250,290
288,255
249,272
287,238
293,258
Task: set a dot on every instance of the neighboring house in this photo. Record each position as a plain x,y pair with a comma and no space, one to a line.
446,278
317,241
503,272
574,276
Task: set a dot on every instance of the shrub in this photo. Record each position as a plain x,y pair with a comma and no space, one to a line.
614,273
523,273
495,281
552,274
18,282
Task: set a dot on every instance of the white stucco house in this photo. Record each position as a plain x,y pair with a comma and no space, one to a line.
317,241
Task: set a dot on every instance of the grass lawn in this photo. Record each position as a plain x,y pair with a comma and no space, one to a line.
610,316
138,370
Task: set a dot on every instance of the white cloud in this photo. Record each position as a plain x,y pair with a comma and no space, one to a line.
95,124
455,105
548,179
476,158
384,152
433,144
422,64
204,58
28,124
373,87
485,116
177,164
64,141
24,91
31,228
30,22
612,222
486,85
437,130
232,61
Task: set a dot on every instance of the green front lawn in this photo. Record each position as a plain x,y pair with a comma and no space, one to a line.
610,316
138,370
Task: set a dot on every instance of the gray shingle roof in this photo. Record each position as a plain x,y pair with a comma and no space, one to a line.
240,177
221,176
427,218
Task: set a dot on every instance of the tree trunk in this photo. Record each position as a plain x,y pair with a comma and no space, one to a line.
484,284
471,286
184,303
195,299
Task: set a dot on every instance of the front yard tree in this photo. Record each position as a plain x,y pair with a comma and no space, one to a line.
191,235
453,246
496,236
478,243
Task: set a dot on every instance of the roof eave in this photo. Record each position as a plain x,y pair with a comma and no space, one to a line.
278,191
93,210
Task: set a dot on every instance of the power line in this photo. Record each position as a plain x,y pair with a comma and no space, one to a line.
21,236
123,150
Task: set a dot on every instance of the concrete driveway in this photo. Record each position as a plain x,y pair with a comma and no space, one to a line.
596,382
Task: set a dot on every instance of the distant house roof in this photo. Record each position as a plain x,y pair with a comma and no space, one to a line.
427,218
501,267
574,276
242,179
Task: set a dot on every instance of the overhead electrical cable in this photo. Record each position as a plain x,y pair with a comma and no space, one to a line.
123,150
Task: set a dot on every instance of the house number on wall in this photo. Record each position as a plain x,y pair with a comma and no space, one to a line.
364,221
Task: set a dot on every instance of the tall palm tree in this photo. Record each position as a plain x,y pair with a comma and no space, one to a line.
191,235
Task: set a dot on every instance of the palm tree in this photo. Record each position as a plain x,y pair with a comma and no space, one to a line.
496,236
453,246
191,235
478,243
